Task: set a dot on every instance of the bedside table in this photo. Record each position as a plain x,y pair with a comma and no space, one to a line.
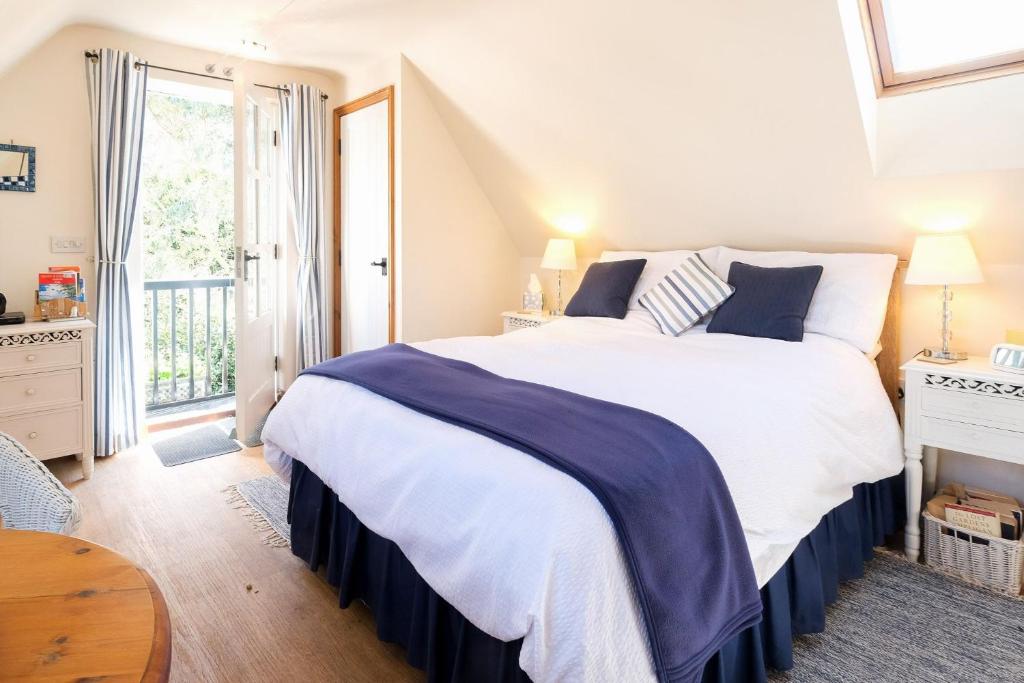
967,407
517,320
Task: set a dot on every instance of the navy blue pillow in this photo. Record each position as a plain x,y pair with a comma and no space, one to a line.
606,288
768,302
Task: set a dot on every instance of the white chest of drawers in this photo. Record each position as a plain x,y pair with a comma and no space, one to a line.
967,407
46,373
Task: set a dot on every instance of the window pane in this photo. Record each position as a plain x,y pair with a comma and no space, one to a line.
925,34
252,293
252,233
251,141
264,142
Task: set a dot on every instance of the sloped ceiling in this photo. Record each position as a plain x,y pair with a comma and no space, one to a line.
661,123
333,35
685,124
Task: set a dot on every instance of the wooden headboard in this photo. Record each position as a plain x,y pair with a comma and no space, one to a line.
888,361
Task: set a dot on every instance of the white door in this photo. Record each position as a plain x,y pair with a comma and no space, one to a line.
256,234
366,217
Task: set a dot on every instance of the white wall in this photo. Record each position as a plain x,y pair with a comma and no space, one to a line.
457,265
45,105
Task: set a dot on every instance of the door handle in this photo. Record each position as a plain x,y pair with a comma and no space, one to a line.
243,263
382,264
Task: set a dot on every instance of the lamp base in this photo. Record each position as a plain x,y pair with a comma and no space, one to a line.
937,352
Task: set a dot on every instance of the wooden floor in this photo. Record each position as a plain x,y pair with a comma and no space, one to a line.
174,522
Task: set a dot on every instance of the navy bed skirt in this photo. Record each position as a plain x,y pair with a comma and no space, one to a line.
439,640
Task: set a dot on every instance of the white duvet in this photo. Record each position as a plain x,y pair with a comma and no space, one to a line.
525,551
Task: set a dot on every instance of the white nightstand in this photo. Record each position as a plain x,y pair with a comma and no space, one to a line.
966,407
517,320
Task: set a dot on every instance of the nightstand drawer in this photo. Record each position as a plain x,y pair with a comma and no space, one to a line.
519,323
521,320
34,358
1001,444
40,390
994,411
47,435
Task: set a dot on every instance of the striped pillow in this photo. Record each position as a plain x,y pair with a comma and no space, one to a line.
684,296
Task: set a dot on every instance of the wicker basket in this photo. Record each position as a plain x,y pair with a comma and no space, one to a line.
978,558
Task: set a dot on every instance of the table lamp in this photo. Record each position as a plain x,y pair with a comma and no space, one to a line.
944,260
559,255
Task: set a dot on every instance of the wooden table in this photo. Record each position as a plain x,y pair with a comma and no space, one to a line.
72,610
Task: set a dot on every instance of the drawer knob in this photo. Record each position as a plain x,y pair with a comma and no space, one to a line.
30,357
30,392
33,435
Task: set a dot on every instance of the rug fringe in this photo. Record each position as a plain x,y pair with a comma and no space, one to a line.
256,519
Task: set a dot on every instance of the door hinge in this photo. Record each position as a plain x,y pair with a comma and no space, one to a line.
277,253
275,138
339,147
277,364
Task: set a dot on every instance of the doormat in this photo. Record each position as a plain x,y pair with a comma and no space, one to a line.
195,444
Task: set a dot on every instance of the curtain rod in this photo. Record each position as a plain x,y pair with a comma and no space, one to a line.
93,56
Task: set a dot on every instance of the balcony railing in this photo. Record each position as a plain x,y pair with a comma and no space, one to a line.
190,345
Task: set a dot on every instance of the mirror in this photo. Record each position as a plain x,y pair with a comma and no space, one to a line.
17,168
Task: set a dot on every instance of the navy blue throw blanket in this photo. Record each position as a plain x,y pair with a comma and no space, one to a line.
663,491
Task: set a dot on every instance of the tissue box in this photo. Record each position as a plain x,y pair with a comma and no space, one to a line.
533,302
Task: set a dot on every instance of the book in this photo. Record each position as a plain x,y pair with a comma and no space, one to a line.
61,285
81,281
974,492
1009,515
937,505
974,519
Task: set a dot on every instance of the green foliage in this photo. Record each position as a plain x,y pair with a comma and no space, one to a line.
187,205
187,189
210,376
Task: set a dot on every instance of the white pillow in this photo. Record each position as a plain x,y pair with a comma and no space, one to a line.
851,297
659,264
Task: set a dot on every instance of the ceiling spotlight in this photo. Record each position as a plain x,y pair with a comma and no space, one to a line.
210,68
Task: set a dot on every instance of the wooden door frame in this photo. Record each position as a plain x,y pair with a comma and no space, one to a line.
384,94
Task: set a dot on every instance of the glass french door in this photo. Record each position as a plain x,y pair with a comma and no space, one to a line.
257,230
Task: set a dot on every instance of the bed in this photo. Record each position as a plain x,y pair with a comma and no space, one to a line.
489,565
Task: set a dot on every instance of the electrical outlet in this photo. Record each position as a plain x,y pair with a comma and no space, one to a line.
66,245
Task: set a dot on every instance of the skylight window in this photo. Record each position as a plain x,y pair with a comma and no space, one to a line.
927,43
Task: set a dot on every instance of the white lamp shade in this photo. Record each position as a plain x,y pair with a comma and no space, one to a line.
559,255
943,260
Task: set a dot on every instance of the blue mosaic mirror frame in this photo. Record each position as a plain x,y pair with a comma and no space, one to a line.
20,183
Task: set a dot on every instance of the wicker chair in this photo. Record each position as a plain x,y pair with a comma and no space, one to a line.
31,497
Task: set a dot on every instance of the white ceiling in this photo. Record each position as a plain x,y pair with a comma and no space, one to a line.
325,34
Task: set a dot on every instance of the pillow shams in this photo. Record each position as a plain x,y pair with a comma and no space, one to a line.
685,295
851,298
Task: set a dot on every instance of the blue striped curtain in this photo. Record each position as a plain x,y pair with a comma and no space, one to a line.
303,117
117,101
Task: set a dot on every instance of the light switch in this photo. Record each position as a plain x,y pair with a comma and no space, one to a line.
66,245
